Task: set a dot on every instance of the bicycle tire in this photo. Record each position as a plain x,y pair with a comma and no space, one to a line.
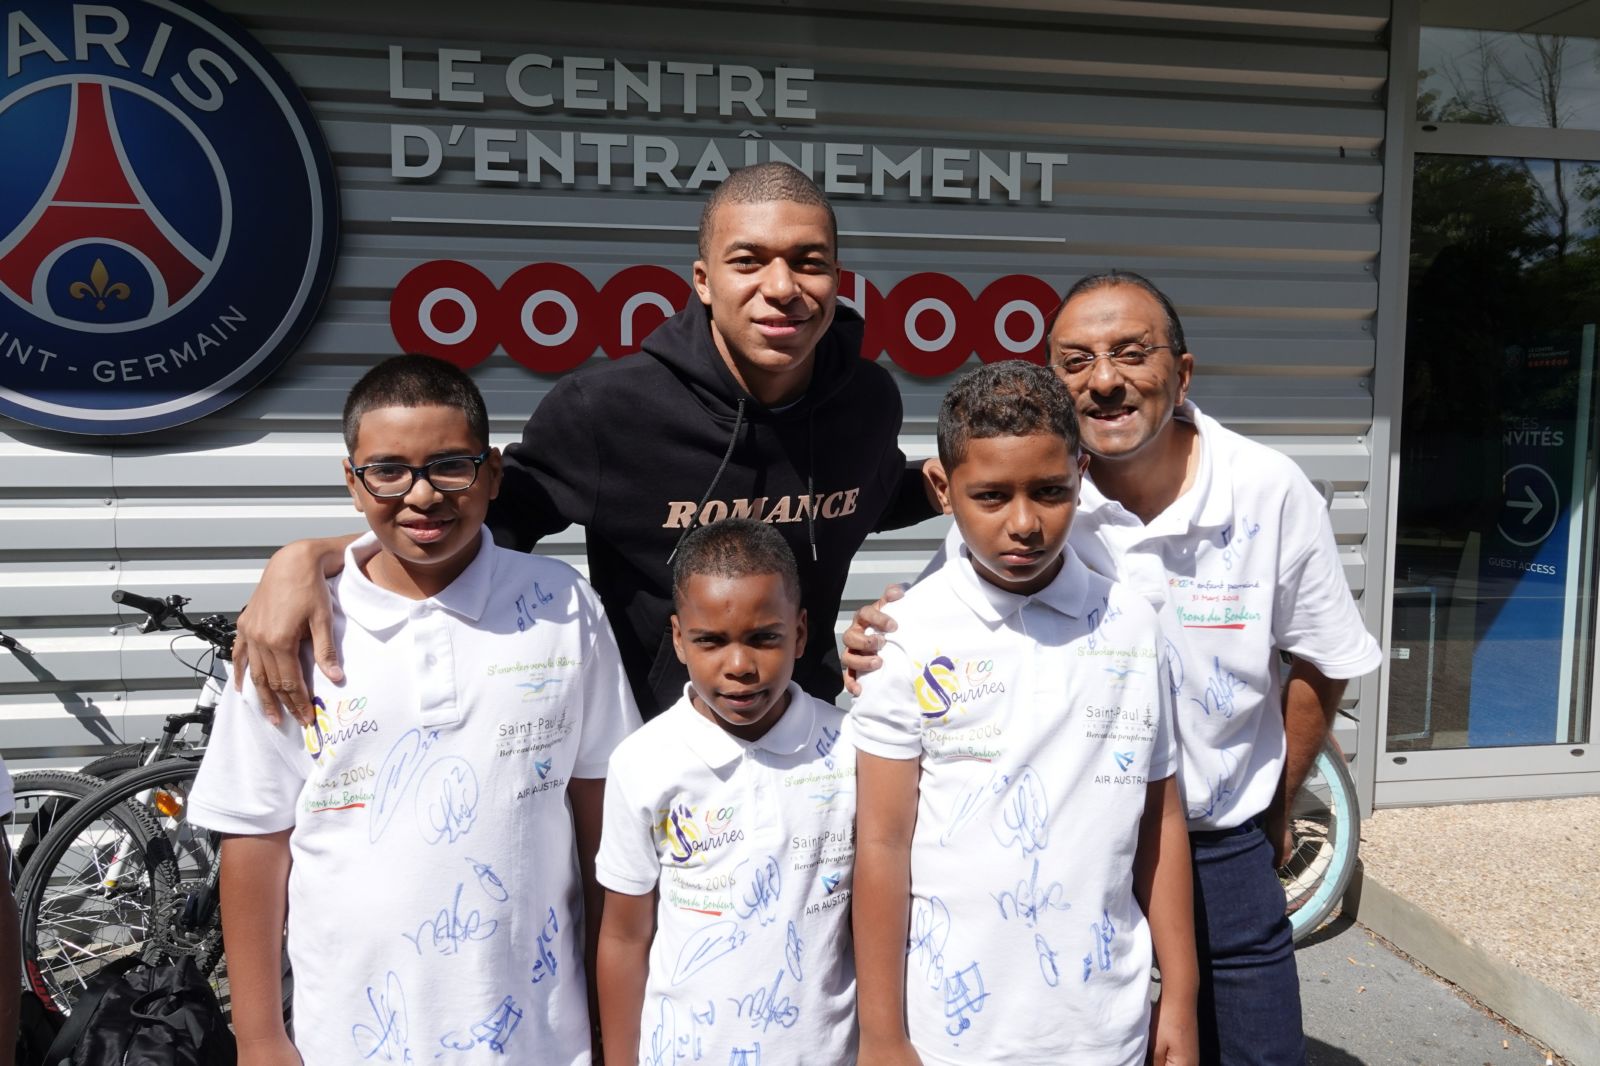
1326,821
41,798
162,841
76,917
118,762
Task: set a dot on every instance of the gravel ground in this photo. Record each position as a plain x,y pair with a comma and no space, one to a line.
1520,880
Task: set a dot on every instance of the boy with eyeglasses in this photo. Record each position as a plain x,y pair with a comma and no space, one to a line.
419,828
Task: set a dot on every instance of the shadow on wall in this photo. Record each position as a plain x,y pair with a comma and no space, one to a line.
87,714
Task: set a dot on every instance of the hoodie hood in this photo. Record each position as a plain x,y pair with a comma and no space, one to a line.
683,344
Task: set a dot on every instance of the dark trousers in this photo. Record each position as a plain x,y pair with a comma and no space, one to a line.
1249,1004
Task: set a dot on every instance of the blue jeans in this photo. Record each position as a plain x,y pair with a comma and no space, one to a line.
1249,1004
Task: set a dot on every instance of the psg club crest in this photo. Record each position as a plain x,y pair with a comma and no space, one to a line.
168,215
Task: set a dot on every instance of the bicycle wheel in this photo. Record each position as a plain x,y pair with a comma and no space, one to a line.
118,762
1327,831
99,887
42,797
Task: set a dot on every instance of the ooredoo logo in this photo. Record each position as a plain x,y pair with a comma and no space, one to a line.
168,215
551,318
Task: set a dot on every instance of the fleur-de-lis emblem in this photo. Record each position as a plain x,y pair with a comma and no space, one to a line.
100,286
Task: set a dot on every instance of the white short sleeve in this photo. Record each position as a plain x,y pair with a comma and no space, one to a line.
253,772
1315,617
609,713
886,718
8,798
627,861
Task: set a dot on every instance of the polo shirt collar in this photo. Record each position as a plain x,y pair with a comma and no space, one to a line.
720,748
377,609
1065,594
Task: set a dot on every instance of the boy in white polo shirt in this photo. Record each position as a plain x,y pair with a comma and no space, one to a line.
1022,854
735,809
420,826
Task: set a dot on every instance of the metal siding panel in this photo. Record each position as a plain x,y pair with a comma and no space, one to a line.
1229,152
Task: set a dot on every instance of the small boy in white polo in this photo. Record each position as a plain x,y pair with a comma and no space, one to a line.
1022,858
730,835
419,828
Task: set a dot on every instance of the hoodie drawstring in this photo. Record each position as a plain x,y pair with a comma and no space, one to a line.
811,491
738,423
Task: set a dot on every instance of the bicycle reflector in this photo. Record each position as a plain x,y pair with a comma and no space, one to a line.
168,803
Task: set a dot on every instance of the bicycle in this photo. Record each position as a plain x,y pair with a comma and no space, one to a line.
1326,822
121,870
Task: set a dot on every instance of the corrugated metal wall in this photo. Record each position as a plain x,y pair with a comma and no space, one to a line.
1231,153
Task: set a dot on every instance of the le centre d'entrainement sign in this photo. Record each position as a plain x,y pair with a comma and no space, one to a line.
550,317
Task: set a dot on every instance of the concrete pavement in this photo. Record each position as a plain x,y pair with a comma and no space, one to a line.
1366,1006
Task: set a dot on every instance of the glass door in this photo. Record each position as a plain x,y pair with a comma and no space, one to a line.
1493,652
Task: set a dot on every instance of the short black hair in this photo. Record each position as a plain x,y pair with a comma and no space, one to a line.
735,547
1110,278
1012,398
764,183
415,381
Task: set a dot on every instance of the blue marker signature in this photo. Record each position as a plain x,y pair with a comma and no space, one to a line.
493,1031
759,896
1235,538
385,1038
765,1008
399,769
447,800
792,948
930,929
746,1056
963,994
1028,903
489,881
545,965
968,802
1025,812
1172,666
1222,690
667,1044
1047,961
1219,788
446,931
824,745
1104,935
706,946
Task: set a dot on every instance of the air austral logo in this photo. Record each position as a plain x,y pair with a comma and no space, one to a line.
167,215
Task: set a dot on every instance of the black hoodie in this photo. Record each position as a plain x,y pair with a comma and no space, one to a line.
629,449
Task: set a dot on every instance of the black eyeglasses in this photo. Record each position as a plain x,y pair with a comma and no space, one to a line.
454,473
1128,356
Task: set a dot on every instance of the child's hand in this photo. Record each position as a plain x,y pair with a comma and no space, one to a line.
268,1051
1174,1035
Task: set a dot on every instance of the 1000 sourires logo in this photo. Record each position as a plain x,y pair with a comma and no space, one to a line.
167,215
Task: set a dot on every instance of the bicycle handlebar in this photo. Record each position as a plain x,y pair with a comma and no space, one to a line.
154,608
214,629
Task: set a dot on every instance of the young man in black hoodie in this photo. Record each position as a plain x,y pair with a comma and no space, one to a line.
752,402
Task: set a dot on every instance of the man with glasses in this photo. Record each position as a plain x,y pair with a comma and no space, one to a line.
1232,544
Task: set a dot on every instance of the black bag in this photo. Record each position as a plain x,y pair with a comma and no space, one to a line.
37,1026
134,1013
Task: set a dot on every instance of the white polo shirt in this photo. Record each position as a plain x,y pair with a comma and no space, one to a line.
752,845
434,901
1038,720
1240,566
